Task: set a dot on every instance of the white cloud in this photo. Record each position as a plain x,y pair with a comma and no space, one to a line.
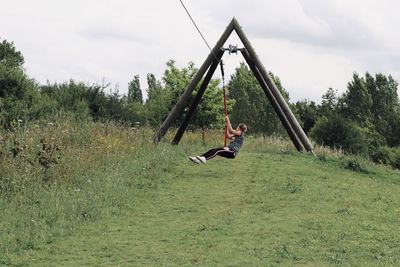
312,45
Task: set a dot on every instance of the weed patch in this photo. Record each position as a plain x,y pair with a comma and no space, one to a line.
355,165
120,200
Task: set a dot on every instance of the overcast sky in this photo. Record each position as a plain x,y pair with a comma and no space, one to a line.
310,44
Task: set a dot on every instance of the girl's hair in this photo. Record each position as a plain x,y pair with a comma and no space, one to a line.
242,127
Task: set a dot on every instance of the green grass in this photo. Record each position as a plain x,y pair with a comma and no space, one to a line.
270,206
68,174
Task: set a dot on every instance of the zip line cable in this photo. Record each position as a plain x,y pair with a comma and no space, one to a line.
221,65
205,41
198,30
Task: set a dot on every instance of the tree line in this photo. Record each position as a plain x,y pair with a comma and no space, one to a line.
365,119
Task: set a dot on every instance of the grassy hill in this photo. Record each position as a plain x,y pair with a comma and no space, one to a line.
270,206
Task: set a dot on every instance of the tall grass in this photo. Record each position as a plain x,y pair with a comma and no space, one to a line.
55,176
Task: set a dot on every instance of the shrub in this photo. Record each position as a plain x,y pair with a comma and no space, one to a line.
396,158
387,156
337,132
20,98
354,165
382,155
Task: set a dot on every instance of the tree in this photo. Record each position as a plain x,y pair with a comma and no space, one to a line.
11,62
161,98
158,101
329,102
157,107
356,102
251,104
337,132
9,56
364,119
176,80
307,112
154,86
134,91
77,98
210,111
385,106
373,103
20,98
394,137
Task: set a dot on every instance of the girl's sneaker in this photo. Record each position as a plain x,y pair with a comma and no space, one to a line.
195,160
201,159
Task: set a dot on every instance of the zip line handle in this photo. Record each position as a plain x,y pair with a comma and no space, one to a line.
221,64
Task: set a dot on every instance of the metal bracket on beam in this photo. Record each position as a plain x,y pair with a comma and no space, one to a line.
232,49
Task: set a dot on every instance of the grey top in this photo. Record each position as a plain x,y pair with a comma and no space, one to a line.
237,143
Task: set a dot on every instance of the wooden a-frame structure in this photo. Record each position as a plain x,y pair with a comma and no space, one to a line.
289,121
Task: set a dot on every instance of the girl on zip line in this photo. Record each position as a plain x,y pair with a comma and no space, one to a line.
230,151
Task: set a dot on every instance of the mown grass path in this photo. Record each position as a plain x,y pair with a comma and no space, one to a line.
262,209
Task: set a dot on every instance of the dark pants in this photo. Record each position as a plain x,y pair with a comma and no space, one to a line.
220,151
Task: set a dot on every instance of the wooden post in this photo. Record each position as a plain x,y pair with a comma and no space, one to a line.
280,100
181,104
197,98
281,115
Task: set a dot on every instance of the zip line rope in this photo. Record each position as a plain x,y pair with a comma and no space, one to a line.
221,65
198,30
